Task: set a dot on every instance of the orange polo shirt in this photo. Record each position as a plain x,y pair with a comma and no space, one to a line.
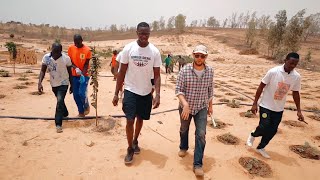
78,57
113,60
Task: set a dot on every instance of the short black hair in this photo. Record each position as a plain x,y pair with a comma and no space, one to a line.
143,24
77,36
292,55
57,45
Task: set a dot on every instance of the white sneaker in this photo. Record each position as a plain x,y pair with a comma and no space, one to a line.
250,140
263,153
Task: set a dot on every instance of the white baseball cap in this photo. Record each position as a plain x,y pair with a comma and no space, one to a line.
200,49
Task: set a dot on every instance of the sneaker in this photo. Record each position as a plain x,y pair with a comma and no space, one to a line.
263,153
129,157
59,129
135,147
250,140
182,153
87,111
198,171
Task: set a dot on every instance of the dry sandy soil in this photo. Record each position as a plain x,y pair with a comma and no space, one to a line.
31,149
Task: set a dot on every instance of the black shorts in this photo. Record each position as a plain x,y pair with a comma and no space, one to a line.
135,105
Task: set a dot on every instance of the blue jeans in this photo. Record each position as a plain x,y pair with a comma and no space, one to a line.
200,121
80,93
61,108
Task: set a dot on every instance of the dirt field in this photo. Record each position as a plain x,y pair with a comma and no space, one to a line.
31,149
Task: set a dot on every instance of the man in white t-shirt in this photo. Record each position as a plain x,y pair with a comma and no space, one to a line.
275,86
139,60
59,68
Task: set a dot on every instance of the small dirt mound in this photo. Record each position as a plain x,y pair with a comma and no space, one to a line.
2,96
306,151
37,93
105,125
228,139
255,166
224,100
20,87
317,138
315,117
248,114
234,104
248,51
220,125
293,123
28,83
230,94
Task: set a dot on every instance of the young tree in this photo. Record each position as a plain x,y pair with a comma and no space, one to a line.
155,26
12,48
294,30
212,22
225,23
194,23
162,23
251,31
113,28
233,20
311,26
94,72
171,22
180,22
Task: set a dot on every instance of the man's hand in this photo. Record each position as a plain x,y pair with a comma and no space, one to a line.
210,111
254,108
71,89
115,100
300,116
78,71
185,112
156,101
40,87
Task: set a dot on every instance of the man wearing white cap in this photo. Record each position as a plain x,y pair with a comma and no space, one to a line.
194,89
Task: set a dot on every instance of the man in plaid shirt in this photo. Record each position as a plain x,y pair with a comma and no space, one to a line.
194,89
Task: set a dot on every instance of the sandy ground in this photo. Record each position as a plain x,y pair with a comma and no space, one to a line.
31,149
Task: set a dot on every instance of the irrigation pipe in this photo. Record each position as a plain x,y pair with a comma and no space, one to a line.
122,115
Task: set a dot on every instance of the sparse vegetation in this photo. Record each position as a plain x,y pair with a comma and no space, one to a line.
228,139
4,73
255,166
234,104
2,96
306,151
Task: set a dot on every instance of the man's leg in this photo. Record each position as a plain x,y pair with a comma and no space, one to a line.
76,94
184,134
200,121
61,92
83,90
275,119
129,108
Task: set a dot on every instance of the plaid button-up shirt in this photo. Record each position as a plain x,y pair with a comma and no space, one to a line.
198,91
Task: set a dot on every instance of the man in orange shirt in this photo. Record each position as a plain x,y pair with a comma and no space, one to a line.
80,55
114,69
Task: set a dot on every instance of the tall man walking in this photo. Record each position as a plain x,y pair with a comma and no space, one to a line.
194,89
139,60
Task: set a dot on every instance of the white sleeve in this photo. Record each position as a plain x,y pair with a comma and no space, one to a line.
157,59
297,85
45,59
68,61
266,79
118,58
125,55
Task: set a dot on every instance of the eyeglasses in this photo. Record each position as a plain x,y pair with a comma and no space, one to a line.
198,56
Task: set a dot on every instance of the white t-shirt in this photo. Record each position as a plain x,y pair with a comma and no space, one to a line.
57,69
278,84
140,67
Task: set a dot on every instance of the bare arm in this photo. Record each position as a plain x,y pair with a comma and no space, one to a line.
85,67
120,80
41,77
157,84
70,79
254,108
296,98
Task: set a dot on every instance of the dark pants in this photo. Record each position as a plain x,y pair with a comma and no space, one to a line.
181,65
61,108
200,121
268,126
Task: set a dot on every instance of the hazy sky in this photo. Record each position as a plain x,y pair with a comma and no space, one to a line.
102,13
